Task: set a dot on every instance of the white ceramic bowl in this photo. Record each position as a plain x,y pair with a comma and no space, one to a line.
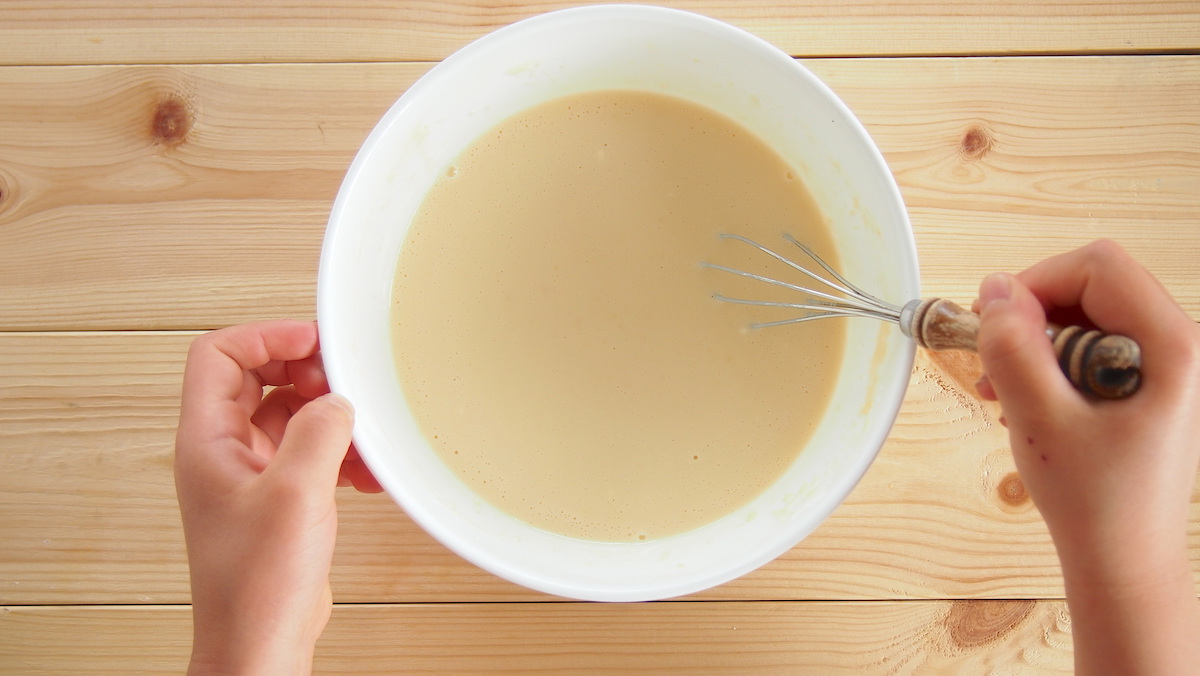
614,47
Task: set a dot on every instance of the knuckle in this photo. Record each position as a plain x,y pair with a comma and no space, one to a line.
207,341
1001,339
1187,351
1108,253
200,343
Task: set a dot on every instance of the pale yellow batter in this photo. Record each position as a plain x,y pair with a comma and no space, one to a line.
557,338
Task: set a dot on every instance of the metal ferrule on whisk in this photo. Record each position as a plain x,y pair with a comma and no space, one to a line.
906,316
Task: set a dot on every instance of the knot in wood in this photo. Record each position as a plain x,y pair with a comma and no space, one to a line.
975,143
1012,490
8,191
973,623
171,122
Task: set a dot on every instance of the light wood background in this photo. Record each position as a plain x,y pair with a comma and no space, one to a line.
166,171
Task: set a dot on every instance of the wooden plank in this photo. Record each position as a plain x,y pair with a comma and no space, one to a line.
88,32
107,224
108,220
86,442
655,638
88,513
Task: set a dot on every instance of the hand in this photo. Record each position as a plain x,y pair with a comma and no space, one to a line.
1113,479
255,479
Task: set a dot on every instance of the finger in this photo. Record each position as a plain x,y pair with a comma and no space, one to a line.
343,477
218,361
307,374
276,411
1017,356
1112,289
984,387
220,390
1120,296
356,473
315,443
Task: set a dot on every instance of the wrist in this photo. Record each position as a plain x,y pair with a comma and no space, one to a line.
1123,622
1130,579
248,630
1137,561
233,648
239,660
1098,584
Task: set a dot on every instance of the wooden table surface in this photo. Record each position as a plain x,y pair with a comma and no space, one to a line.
168,170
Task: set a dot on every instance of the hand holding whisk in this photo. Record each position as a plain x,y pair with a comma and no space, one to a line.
1105,366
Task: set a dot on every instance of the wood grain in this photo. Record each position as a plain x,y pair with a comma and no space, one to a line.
89,32
195,197
88,512
677,638
167,169
163,194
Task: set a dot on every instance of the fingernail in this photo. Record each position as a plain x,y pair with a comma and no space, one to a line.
996,286
339,400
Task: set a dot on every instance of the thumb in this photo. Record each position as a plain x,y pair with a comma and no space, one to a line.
1017,356
315,441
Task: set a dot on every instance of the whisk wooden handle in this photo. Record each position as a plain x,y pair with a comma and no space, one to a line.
1106,366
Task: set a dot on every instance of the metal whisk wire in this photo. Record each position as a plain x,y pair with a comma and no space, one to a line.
1106,366
853,301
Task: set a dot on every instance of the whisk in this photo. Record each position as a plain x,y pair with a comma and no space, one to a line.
1106,366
